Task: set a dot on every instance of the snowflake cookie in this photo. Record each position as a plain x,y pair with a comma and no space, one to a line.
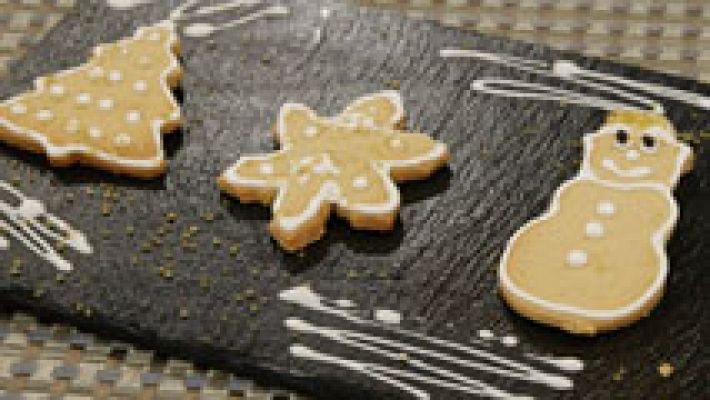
596,261
110,112
349,162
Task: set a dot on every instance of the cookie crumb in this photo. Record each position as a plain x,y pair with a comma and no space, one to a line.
665,369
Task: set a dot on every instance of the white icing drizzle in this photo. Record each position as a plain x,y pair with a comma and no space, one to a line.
569,71
388,316
203,29
424,372
568,364
34,227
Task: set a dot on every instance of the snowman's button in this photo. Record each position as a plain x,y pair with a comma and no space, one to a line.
594,230
577,258
606,208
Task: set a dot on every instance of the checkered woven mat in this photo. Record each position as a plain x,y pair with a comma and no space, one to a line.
56,362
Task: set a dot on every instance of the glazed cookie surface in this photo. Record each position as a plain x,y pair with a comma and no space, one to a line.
349,163
596,260
110,112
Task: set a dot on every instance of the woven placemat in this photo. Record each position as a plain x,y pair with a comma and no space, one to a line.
671,36
39,361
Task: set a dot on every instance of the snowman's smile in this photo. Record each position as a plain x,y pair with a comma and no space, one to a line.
637,172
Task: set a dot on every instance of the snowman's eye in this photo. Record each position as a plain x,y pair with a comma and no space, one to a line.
648,143
622,137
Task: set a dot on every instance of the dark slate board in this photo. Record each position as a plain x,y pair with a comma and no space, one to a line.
438,265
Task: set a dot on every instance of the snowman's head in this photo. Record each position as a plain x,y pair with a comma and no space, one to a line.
636,147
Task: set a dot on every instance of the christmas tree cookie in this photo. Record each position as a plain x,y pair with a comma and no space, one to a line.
348,163
110,112
596,261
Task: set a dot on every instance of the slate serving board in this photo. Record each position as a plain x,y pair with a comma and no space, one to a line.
213,296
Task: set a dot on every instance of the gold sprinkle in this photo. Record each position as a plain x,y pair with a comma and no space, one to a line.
146,248
619,374
157,242
60,277
184,314
171,217
216,242
253,307
234,249
208,216
393,83
204,282
665,369
404,357
38,292
105,209
130,230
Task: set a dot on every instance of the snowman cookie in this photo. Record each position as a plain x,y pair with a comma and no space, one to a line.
347,163
596,260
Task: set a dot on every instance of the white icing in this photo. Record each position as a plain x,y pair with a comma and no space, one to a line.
577,258
30,223
266,168
606,208
57,90
154,36
326,166
569,71
203,29
633,155
437,352
486,334
310,131
594,230
18,108
44,115
360,182
61,151
122,140
330,192
325,12
344,303
133,116
115,75
140,86
388,316
509,341
95,132
568,364
126,4
83,98
636,172
396,143
106,104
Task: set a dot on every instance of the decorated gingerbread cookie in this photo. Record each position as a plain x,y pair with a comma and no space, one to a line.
110,112
348,163
596,260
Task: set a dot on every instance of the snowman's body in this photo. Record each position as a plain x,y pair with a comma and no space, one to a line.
596,260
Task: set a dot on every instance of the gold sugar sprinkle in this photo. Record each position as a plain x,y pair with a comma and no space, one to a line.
216,242
171,217
184,314
619,374
665,369
130,230
208,216
234,249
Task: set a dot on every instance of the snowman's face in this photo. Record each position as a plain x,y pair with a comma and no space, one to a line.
636,147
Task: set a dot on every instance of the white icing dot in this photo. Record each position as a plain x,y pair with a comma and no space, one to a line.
266,169
155,36
303,179
396,143
122,140
83,98
96,73
105,104
606,208
577,258
57,90
4,244
594,229
310,131
140,86
44,115
94,132
72,126
360,182
18,109
133,116
115,75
